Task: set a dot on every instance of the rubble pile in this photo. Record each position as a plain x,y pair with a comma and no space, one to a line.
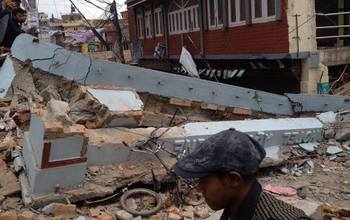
69,150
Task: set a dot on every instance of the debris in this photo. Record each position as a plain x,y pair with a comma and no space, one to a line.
123,215
202,212
327,117
173,216
8,143
60,210
9,215
332,150
279,190
284,170
309,147
9,184
105,217
80,218
26,215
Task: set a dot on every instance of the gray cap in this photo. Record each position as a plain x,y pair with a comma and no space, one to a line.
226,151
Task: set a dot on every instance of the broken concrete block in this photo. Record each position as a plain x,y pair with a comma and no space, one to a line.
124,215
9,215
309,147
180,102
57,111
332,150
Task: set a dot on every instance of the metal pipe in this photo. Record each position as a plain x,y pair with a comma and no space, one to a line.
333,14
335,26
335,36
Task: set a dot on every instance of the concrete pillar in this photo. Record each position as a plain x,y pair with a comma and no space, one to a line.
311,76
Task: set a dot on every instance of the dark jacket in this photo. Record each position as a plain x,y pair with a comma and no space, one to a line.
11,30
259,205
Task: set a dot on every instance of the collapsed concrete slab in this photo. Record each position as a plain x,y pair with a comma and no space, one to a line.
58,61
57,156
7,74
97,107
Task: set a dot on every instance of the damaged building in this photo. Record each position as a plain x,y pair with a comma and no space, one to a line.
94,127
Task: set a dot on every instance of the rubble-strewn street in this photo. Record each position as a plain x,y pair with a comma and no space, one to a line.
80,149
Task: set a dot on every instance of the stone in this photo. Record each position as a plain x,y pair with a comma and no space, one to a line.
58,111
173,216
26,215
202,212
124,215
329,133
188,215
342,134
81,218
9,215
158,216
64,210
347,164
105,217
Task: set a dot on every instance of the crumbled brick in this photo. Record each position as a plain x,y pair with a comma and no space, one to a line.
123,215
241,111
180,102
202,212
26,215
173,216
105,217
9,215
64,210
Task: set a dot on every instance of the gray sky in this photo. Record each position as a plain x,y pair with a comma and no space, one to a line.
59,7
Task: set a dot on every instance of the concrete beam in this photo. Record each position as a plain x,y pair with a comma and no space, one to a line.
75,66
7,74
335,56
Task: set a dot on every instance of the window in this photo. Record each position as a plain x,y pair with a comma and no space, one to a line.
158,22
148,24
140,26
236,12
263,10
216,13
184,20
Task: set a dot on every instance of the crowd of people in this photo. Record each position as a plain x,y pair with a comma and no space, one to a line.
12,18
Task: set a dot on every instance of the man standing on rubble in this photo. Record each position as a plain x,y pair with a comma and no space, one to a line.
226,167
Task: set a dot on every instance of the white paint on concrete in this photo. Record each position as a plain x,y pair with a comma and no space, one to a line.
265,125
7,74
117,100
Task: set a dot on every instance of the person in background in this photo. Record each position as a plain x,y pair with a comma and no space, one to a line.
7,6
14,28
225,166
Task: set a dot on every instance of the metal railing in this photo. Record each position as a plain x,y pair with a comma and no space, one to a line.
336,26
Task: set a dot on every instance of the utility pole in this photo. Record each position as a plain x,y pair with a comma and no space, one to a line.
118,46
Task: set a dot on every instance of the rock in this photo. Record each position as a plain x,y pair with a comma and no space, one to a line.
202,213
158,216
124,215
11,202
105,217
284,170
48,210
26,215
58,111
342,135
81,218
9,215
329,133
173,216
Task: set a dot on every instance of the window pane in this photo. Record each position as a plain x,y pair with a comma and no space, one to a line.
258,8
181,21
233,11
173,21
220,11
211,12
177,21
242,10
190,23
185,20
271,8
161,22
194,18
156,20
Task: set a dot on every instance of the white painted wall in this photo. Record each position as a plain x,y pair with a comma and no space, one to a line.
306,27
